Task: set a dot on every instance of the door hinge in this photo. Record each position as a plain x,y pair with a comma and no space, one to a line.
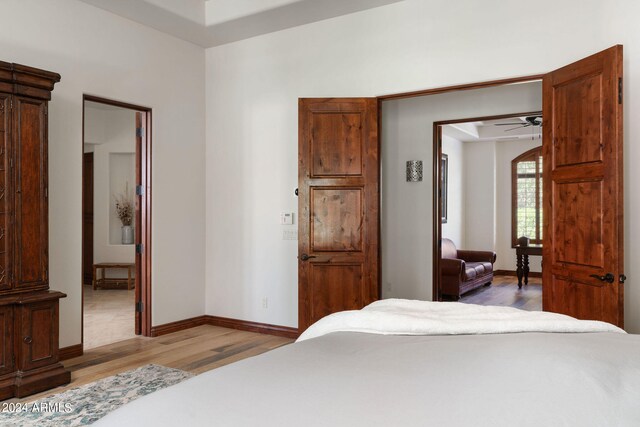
619,90
140,132
139,307
139,190
296,192
46,109
11,103
139,248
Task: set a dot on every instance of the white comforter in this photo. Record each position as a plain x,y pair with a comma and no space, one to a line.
416,378
411,317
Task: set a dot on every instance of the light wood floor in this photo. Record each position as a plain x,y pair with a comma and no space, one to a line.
109,316
504,292
195,350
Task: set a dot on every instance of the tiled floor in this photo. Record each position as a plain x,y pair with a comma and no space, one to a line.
108,316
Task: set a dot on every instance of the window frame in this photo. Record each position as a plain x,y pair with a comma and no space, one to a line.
531,155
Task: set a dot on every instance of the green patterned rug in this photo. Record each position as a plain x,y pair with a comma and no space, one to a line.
86,404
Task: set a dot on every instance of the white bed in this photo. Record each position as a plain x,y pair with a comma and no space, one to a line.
409,363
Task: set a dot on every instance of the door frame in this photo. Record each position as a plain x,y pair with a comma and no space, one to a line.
143,291
437,214
437,149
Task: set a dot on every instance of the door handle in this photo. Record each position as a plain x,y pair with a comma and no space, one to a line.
305,257
606,278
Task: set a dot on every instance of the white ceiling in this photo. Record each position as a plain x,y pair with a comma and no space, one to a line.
488,131
209,23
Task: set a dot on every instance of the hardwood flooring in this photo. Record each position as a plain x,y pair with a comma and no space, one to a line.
195,350
504,292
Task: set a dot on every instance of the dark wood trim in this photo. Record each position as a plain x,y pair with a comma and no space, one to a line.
245,325
225,322
436,295
179,325
70,352
514,274
145,165
437,214
467,86
107,101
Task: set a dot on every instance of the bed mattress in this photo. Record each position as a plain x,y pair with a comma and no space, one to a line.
363,379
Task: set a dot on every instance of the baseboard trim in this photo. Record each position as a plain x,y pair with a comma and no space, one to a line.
179,325
513,273
70,352
225,322
245,325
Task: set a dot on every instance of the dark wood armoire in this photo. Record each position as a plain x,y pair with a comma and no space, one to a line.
28,309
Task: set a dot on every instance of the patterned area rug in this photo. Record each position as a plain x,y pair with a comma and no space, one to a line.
88,403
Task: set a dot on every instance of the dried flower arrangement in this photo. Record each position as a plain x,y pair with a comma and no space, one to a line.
124,207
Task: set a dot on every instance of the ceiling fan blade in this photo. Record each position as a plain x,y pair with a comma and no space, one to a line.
507,124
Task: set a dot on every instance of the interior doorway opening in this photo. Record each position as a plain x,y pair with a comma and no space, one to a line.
116,227
489,219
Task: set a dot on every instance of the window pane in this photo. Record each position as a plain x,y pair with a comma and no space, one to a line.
528,196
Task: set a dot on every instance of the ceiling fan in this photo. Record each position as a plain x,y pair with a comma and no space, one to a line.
527,121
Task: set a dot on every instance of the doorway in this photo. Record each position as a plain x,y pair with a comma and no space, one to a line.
116,226
489,216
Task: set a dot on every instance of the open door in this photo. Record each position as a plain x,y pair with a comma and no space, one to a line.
338,227
138,224
583,271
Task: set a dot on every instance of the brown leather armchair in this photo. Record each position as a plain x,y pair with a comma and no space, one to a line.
462,271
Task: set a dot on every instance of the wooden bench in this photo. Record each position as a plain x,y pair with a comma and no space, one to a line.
112,282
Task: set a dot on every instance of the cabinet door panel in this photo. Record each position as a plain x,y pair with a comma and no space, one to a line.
6,344
39,334
5,241
30,151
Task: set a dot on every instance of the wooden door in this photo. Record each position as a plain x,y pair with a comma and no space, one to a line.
338,227
5,203
583,272
87,218
138,223
31,243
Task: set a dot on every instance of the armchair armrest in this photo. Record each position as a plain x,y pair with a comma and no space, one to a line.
452,267
477,256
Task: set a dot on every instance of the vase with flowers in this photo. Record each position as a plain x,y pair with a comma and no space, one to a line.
124,210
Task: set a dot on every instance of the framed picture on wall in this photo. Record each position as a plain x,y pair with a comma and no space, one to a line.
444,185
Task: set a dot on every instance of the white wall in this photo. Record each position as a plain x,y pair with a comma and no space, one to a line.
111,136
101,54
252,91
454,228
480,195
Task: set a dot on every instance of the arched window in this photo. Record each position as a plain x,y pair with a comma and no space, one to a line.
526,194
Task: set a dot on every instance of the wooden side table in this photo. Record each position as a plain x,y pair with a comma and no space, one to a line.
522,253
102,281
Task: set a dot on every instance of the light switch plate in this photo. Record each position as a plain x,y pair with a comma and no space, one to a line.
286,218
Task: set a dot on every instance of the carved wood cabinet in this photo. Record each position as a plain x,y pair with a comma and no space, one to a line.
28,309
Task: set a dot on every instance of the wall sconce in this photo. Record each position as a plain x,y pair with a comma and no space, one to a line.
414,170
